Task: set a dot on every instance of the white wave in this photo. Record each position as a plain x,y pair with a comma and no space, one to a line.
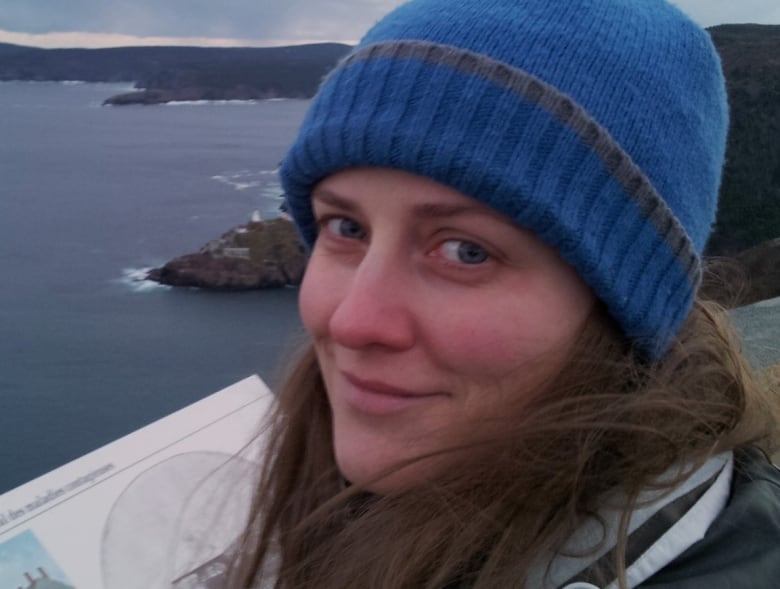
31,82
117,87
135,279
235,182
243,179
273,190
245,185
209,102
72,82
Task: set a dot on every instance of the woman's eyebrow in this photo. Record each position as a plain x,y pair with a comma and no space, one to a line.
448,210
331,198
438,210
426,210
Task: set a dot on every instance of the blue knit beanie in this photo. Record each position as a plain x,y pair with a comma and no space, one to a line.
598,124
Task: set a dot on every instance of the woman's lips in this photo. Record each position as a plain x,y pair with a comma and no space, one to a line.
379,398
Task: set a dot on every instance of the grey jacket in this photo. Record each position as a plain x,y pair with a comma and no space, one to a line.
741,549
720,531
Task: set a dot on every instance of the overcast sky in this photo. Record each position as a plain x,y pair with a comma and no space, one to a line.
100,23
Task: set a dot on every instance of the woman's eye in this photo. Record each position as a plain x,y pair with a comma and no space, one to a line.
464,252
345,227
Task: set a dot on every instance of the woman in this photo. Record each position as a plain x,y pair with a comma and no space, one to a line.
511,381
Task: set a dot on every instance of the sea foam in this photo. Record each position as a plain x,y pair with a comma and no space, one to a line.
135,279
243,179
209,102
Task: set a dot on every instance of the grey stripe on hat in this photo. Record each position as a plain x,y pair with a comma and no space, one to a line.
538,92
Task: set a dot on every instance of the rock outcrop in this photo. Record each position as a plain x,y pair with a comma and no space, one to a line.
260,254
190,94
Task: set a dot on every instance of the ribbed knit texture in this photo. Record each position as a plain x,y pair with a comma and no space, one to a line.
598,124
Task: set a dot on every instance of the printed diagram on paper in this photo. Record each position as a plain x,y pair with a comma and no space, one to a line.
159,508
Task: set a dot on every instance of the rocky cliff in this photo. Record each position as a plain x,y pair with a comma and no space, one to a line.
260,254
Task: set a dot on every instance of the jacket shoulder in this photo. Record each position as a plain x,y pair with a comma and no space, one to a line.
741,549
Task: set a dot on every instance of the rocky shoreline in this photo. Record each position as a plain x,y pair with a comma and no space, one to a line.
149,97
257,255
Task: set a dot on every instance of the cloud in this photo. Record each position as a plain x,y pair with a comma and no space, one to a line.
86,40
272,20
714,12
254,22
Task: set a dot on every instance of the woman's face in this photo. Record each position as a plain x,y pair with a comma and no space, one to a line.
430,314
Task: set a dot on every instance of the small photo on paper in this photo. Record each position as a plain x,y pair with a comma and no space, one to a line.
25,563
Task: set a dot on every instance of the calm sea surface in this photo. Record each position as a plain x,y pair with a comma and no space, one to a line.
89,197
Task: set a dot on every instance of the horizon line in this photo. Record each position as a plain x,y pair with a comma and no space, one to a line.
89,40
86,40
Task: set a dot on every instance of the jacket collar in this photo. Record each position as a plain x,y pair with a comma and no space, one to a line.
663,526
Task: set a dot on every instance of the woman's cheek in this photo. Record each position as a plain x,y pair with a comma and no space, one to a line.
316,297
485,337
475,339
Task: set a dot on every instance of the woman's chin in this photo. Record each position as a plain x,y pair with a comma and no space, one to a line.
383,479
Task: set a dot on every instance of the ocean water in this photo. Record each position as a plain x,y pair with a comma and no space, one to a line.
90,197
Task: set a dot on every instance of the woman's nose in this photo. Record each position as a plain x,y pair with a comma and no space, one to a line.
376,308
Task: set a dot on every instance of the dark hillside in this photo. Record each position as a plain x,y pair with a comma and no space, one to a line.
750,195
7,49
253,72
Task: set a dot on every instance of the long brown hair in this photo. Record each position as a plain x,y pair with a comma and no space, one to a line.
608,420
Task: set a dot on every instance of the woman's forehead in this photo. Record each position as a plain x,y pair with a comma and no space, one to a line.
427,198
